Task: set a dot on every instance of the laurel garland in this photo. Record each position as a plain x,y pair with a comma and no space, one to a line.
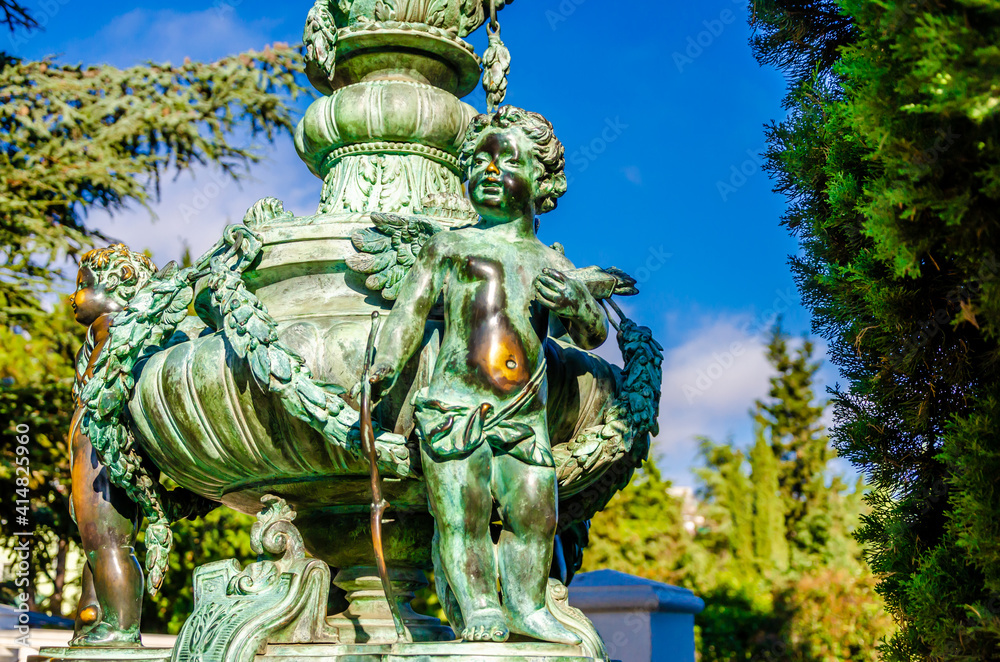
149,320
601,460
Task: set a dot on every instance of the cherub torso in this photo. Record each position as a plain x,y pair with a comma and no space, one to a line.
493,327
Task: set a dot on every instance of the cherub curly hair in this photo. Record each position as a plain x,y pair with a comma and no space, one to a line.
547,149
122,270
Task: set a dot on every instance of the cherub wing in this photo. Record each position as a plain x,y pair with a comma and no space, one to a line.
387,251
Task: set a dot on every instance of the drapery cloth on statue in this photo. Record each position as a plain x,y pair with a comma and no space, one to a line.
453,431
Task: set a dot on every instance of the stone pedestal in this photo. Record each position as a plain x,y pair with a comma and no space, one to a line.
415,652
640,620
368,620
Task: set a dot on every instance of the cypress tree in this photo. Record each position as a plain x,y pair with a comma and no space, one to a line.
804,595
769,534
890,159
792,417
727,493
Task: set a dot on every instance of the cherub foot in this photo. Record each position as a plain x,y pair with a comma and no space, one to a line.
90,614
486,625
104,636
543,625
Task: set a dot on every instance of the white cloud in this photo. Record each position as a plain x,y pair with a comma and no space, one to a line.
168,35
196,207
710,381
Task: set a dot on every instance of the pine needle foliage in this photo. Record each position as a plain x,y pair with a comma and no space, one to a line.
785,523
799,36
75,139
890,160
16,16
78,138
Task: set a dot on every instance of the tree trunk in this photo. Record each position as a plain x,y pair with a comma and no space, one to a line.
59,581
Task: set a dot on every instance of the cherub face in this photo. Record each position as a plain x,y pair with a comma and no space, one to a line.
503,174
92,297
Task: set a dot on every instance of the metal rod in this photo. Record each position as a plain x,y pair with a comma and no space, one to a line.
379,504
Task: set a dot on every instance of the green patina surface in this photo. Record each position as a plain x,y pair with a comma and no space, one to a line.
492,416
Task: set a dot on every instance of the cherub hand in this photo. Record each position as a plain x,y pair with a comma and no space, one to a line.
563,296
381,377
379,374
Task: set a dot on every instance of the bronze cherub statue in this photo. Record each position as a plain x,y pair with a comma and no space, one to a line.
525,433
111,599
482,418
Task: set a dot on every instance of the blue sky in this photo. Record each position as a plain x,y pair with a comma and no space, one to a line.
661,109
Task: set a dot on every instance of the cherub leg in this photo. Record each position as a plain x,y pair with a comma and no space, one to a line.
108,523
527,497
460,499
87,610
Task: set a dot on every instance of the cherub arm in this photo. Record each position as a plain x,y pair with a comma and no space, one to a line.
572,302
404,328
97,336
